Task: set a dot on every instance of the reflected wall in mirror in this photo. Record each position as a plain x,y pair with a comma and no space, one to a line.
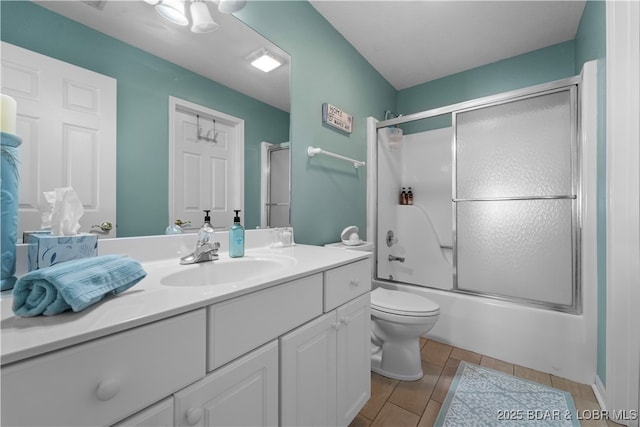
151,61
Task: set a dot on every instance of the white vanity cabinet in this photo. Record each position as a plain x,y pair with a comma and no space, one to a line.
105,380
294,353
325,364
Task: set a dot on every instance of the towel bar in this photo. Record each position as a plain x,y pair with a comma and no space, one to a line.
312,151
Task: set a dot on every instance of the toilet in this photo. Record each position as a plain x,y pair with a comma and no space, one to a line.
398,320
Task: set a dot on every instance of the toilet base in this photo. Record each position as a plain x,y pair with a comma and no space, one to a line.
399,362
395,376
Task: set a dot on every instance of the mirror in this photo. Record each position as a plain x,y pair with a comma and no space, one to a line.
134,45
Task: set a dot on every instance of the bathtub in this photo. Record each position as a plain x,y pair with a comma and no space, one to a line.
549,341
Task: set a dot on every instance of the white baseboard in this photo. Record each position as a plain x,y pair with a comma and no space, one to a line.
600,392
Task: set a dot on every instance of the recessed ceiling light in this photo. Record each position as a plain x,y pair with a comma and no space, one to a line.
265,60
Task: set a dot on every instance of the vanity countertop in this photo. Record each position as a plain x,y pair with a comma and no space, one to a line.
150,300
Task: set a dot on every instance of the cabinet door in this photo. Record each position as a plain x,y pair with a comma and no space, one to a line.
242,393
158,415
308,374
354,358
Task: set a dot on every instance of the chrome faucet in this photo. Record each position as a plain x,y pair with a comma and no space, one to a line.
396,258
204,252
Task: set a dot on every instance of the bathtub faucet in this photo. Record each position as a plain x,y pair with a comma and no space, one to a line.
396,258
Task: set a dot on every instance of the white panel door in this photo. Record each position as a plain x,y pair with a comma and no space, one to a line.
206,165
242,393
308,374
67,122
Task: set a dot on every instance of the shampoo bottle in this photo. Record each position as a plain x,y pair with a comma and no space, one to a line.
236,237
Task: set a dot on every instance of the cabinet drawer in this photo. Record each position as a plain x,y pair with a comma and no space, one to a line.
103,381
344,283
244,323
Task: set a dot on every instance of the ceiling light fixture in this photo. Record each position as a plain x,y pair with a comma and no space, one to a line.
265,60
173,11
230,6
202,20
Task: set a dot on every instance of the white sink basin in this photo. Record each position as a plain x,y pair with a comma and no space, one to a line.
226,271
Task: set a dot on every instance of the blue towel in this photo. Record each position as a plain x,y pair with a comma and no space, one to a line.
74,285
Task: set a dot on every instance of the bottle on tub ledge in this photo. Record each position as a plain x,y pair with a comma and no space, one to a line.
406,197
236,237
403,196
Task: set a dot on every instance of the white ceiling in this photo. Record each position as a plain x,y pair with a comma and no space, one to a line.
219,56
408,42
412,42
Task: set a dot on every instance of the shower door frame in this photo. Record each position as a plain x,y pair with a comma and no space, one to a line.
576,300
531,91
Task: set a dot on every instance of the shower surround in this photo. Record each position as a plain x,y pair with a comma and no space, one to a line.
518,331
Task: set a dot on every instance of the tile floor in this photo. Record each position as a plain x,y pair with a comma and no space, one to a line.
416,403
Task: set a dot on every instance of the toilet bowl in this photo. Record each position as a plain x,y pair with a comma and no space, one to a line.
398,320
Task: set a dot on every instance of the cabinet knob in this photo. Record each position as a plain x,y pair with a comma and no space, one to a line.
194,415
354,282
336,325
345,320
107,389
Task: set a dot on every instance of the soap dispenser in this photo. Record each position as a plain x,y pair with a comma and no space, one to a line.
236,237
206,232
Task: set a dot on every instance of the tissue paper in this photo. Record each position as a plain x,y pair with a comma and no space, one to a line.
59,240
63,213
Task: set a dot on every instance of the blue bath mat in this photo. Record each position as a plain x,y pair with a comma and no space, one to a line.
479,396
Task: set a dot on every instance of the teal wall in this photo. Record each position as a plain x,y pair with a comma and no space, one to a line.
591,45
327,194
539,66
145,83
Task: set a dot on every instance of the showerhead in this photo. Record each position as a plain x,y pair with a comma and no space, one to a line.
391,115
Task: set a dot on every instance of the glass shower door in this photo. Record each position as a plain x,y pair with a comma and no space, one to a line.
278,186
515,200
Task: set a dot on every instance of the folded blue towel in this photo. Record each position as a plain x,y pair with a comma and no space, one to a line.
74,285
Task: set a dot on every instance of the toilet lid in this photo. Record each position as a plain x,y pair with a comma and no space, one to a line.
403,303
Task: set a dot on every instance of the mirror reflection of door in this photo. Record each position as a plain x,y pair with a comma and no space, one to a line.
276,185
206,158
66,119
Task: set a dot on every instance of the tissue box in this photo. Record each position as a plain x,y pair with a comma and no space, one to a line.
44,249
